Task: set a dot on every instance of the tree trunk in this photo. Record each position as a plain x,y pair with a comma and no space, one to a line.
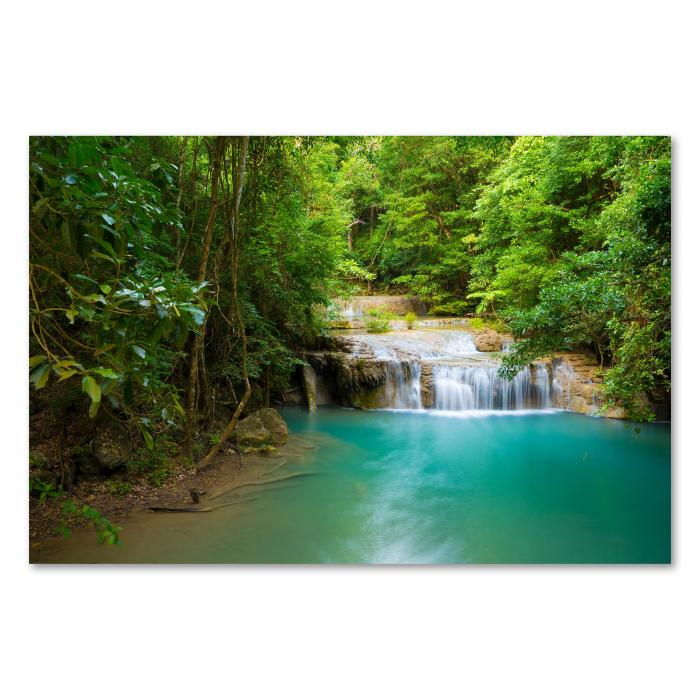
236,316
198,340
180,187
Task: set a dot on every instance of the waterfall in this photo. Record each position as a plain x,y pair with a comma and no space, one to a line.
457,377
403,384
349,311
562,377
475,387
459,344
542,388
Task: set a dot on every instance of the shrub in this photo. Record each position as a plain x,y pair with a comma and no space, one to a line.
153,464
377,325
410,319
380,320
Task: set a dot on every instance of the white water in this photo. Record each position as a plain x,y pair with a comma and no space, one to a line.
562,376
418,344
463,379
474,387
403,384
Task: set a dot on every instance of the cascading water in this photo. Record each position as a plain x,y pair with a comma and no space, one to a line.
562,377
473,387
403,384
542,388
458,377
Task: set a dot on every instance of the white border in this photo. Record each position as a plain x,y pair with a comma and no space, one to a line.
360,67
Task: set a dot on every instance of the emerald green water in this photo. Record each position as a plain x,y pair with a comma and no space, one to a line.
421,487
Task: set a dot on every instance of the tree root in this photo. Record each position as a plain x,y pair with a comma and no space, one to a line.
275,468
263,482
198,509
208,509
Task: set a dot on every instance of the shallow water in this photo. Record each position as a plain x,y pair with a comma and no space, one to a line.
435,487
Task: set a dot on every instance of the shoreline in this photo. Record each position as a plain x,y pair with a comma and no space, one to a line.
216,480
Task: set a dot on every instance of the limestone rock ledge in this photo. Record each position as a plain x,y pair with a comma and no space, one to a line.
351,380
576,384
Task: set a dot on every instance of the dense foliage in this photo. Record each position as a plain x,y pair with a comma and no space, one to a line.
132,258
170,276
565,239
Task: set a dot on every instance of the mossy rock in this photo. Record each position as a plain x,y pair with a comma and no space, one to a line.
370,398
261,431
111,449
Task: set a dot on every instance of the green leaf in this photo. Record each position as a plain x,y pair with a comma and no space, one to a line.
35,360
69,507
40,376
198,316
92,389
64,364
102,256
106,372
40,204
148,439
94,407
108,219
107,247
138,350
105,288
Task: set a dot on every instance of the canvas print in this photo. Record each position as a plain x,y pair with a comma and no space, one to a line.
350,350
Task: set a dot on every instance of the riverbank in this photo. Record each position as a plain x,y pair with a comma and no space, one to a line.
227,473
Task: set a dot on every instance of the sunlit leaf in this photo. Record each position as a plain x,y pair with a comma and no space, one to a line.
92,389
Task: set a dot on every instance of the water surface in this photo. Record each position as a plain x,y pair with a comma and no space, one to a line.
432,487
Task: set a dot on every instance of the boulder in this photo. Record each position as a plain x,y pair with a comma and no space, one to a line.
488,341
111,449
261,431
615,412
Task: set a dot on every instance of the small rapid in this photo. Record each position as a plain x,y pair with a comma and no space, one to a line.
441,368
402,384
473,387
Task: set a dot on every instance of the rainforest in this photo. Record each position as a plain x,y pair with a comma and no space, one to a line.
372,349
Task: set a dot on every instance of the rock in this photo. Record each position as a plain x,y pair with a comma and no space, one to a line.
349,379
294,396
426,385
586,390
111,449
488,341
260,431
579,404
309,383
615,412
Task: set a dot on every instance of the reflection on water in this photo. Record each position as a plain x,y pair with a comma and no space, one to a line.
434,487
